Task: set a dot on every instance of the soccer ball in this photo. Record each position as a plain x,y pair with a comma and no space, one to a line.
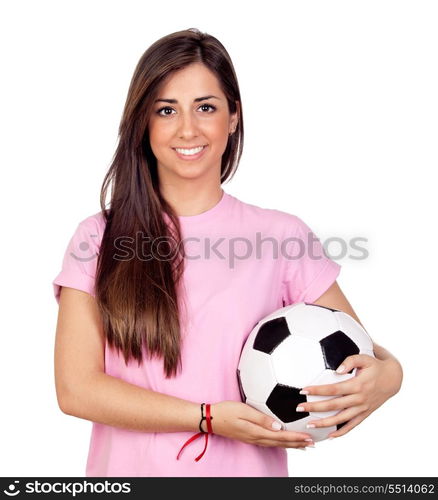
293,347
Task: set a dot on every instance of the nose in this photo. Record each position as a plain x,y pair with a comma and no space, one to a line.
187,126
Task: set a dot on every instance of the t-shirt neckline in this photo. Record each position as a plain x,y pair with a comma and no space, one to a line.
208,214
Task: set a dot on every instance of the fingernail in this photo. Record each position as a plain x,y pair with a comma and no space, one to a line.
304,392
276,425
309,439
309,426
300,408
340,369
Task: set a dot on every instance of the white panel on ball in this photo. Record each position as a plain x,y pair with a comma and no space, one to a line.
316,322
257,374
297,361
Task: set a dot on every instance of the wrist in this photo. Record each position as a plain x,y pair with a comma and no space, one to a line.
205,411
206,417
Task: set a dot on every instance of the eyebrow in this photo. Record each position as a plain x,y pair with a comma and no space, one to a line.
197,99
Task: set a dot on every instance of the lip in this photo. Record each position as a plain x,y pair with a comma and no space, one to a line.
191,157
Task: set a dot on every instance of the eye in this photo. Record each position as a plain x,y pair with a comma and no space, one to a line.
162,109
208,106
159,112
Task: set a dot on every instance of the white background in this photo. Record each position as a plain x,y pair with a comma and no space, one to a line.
340,113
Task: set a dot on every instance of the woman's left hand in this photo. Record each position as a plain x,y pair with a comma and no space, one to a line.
376,381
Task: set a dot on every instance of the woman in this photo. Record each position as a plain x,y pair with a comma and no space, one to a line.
158,293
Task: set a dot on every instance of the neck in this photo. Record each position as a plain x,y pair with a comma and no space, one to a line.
191,199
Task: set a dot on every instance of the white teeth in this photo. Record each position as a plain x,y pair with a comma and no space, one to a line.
189,152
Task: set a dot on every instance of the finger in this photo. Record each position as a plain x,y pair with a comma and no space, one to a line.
283,444
351,424
337,419
345,387
336,403
354,361
270,433
350,386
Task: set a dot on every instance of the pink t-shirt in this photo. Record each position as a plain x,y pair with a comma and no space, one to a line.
233,278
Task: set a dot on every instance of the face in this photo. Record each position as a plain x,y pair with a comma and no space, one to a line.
191,111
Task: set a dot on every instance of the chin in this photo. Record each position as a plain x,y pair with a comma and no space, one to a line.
186,170
190,173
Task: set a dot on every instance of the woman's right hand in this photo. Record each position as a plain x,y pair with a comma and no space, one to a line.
240,421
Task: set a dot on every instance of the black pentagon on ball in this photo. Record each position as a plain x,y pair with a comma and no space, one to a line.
271,334
324,307
335,348
283,401
242,392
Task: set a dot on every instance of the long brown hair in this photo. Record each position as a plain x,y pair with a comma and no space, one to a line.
138,298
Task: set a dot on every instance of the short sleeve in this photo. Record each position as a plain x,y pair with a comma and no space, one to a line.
309,272
80,259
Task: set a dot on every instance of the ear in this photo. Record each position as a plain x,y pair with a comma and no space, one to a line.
235,116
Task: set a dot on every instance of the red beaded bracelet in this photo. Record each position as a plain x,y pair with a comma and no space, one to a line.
209,429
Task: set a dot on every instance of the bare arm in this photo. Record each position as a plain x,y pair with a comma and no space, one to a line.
84,390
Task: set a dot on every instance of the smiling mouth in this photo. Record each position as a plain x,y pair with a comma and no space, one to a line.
190,153
193,150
